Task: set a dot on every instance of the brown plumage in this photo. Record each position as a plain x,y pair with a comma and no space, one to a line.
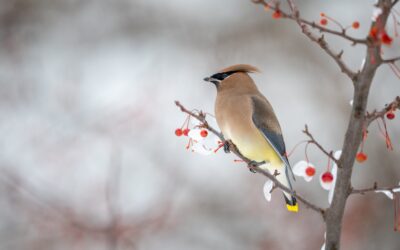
246,117
241,68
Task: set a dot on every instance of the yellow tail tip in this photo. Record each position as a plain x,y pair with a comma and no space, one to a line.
294,208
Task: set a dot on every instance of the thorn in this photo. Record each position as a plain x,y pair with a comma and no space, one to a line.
305,129
340,54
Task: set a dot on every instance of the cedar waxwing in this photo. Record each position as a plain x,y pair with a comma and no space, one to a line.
246,118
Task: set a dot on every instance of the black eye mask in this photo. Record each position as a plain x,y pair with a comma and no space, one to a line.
222,76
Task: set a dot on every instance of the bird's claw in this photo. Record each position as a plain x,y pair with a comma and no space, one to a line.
252,166
227,147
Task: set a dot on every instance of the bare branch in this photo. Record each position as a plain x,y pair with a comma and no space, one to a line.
254,166
341,33
292,192
304,24
362,81
202,118
380,114
375,188
391,60
321,42
313,141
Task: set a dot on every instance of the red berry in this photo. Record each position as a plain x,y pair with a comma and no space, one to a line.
361,157
355,25
178,132
186,131
385,38
390,115
203,133
323,21
310,171
277,14
327,177
374,32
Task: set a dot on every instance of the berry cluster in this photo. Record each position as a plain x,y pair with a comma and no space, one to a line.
184,129
200,140
324,21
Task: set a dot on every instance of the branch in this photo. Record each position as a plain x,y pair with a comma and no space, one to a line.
380,114
374,188
313,141
391,60
295,15
202,118
322,43
341,33
292,192
254,166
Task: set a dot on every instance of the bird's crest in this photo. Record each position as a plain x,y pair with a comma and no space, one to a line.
240,68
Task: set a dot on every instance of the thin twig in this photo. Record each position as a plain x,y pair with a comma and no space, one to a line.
374,188
313,141
304,24
202,118
337,57
250,164
380,114
391,60
341,33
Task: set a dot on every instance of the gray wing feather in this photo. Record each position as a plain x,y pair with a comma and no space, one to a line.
274,139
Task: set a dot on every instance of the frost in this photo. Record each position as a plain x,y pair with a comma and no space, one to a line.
386,192
376,13
267,189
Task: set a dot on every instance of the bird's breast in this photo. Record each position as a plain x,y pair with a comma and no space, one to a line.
234,117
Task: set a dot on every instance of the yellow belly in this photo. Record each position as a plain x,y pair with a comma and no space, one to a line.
255,147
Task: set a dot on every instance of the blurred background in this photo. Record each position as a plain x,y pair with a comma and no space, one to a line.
88,154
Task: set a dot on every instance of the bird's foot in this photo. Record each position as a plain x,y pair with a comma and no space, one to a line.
253,166
227,147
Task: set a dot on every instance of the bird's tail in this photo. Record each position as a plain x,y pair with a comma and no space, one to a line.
291,202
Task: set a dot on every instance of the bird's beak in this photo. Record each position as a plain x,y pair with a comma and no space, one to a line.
213,80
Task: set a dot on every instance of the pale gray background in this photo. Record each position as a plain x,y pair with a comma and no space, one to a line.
87,126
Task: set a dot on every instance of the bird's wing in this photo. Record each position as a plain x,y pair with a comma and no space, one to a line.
266,121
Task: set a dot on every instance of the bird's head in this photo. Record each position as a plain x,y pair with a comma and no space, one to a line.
232,77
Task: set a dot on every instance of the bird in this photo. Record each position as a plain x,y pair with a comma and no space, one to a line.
246,118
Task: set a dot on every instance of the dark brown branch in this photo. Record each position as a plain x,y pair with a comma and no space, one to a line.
374,188
341,33
295,15
380,114
320,41
313,141
251,164
354,133
391,60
